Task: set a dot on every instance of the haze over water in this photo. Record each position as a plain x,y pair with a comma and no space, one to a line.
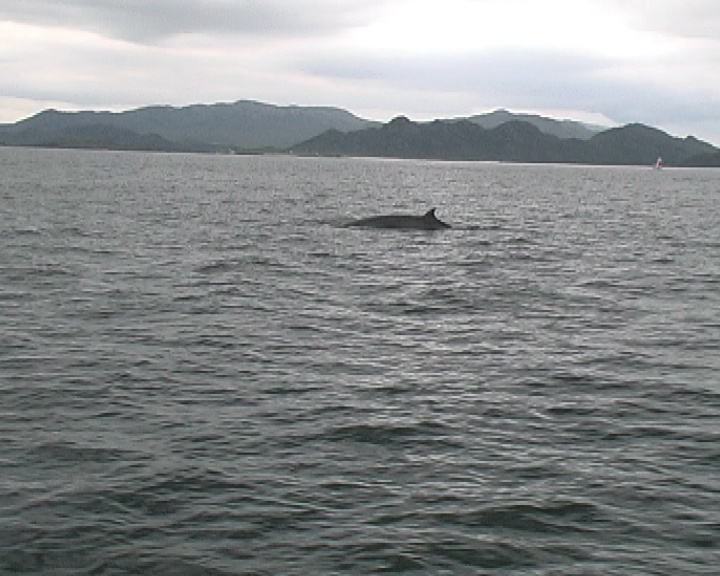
203,372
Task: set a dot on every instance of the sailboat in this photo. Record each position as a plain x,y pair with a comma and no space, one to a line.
659,163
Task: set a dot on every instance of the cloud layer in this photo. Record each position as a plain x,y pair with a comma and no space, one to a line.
149,22
622,60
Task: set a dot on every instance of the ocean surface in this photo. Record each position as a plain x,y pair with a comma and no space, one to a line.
203,372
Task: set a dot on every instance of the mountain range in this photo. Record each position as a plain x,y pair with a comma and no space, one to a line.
244,126
512,141
250,127
559,128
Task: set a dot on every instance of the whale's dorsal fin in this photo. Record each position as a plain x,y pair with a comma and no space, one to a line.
430,214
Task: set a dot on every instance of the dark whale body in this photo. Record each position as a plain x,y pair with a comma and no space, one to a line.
427,221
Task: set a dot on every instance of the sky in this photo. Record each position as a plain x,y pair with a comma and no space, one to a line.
608,62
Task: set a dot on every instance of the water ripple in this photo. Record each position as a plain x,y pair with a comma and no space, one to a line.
203,372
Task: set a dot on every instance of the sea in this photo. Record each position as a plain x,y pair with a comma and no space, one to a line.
203,371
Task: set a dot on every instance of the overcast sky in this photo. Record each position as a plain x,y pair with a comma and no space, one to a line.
605,61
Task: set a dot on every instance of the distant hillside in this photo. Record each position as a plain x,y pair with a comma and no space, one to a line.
513,141
460,140
247,126
711,160
560,128
640,144
94,136
243,125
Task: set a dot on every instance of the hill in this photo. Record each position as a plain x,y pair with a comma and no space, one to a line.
247,126
441,140
94,136
561,128
513,141
711,160
243,125
640,144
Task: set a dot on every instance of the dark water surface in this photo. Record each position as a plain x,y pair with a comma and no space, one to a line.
203,372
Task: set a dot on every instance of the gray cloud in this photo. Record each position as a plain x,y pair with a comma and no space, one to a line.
297,52
518,75
149,21
519,78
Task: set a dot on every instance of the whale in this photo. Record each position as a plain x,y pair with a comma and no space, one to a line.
427,221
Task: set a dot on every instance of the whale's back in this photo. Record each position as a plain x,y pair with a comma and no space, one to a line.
427,221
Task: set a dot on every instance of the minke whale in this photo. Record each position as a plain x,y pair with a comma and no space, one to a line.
427,221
